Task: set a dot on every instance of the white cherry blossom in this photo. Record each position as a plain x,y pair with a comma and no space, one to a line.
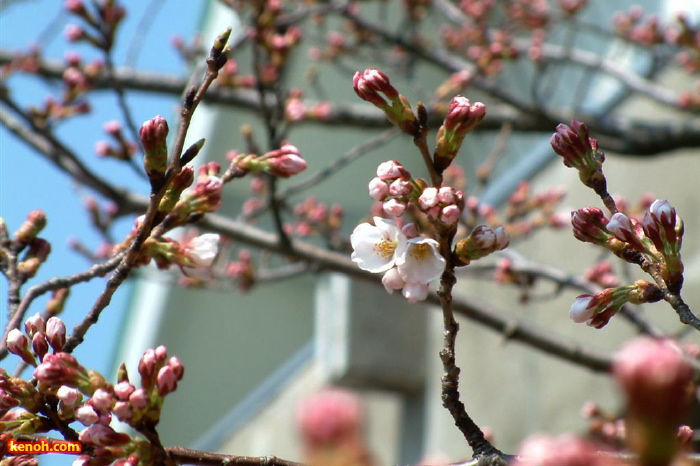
376,247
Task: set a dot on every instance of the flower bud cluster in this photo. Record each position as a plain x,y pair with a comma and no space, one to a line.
604,427
16,392
657,238
296,110
634,27
335,46
123,150
32,251
78,79
443,206
597,310
485,47
242,271
393,187
374,87
230,77
203,197
462,117
580,151
100,25
313,217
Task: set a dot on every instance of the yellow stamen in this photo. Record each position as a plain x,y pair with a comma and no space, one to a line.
420,251
385,248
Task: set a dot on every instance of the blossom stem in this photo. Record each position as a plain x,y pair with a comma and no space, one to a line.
420,141
450,379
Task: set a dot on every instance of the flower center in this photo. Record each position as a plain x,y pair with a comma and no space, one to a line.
385,248
420,251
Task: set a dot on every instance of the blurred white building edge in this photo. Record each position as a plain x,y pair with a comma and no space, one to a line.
251,358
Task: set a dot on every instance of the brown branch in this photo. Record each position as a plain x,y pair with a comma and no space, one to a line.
181,455
622,135
97,270
121,273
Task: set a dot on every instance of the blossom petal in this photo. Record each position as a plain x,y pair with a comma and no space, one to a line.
420,262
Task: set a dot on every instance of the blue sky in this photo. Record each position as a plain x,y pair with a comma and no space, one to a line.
28,182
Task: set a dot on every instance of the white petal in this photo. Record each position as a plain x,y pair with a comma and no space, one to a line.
420,262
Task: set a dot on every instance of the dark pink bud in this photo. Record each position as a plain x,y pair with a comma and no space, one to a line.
153,135
103,436
590,225
166,380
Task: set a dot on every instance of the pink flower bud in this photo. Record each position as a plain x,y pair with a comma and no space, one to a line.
410,230
463,116
139,399
153,135
56,333
123,390
69,397
331,417
73,33
75,6
161,353
429,198
590,225
35,324
392,280
17,342
657,381
394,208
391,170
103,436
286,165
123,411
450,215
400,188
565,450
147,368
414,292
102,400
87,415
166,380
378,189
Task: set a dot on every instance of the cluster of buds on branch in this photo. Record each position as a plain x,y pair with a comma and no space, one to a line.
374,87
123,150
410,261
29,250
84,396
654,244
102,22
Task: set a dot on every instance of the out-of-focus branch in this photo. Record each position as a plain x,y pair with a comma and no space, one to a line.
616,134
